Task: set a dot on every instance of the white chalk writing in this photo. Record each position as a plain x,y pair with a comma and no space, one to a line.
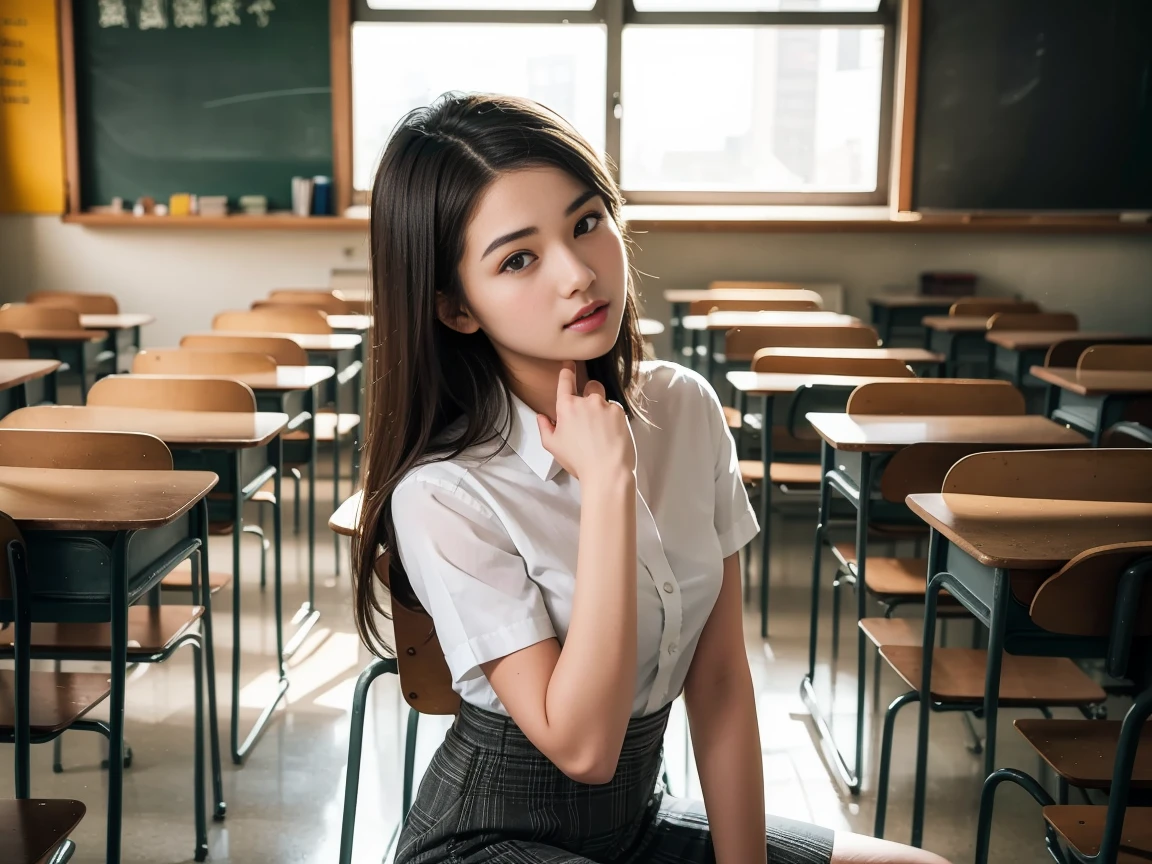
153,15
226,13
260,9
113,13
189,13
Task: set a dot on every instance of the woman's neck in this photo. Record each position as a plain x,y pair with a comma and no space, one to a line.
534,382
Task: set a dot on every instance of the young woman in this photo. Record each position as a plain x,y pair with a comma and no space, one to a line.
569,516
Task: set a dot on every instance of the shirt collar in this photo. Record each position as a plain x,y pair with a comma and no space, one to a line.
523,436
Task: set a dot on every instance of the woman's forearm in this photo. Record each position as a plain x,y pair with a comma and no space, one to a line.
590,692
726,741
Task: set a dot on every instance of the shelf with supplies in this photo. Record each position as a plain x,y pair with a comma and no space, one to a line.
269,222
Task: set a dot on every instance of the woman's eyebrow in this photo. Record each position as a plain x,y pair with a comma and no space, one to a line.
528,232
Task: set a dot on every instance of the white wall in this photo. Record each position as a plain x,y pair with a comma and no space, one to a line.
185,276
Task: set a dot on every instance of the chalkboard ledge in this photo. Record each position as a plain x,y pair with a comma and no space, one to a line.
270,222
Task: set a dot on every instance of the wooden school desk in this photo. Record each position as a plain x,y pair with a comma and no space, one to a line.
67,346
123,330
950,335
769,385
721,322
347,515
1014,352
650,327
350,323
97,542
981,545
295,392
680,298
890,311
16,375
245,450
1094,399
850,446
914,357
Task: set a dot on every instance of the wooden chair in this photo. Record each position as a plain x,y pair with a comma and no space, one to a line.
24,316
12,347
703,307
742,343
426,683
939,398
187,361
880,367
988,307
279,319
737,284
329,304
284,351
1104,594
1065,354
84,304
35,830
1133,358
1034,321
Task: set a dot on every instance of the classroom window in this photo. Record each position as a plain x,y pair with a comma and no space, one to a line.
693,101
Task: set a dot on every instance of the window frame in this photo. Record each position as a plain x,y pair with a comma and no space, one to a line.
615,15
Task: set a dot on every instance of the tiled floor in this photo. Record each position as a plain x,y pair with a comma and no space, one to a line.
285,804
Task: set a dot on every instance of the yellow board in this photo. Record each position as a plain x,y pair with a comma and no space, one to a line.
31,128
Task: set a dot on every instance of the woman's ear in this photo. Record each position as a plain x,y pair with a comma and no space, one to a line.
459,320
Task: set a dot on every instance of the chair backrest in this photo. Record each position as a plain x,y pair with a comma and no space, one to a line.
1079,599
109,451
1033,321
172,394
282,319
9,533
741,284
743,342
326,301
283,351
988,306
85,304
703,307
424,676
1089,474
881,367
814,399
190,361
1135,358
942,397
12,347
1066,353
27,316
921,468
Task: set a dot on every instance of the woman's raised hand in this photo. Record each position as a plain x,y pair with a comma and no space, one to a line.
591,438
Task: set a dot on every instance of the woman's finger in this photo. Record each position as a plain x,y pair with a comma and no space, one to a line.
566,383
595,388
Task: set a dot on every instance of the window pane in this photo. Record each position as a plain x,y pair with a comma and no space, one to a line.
486,5
754,5
769,109
398,67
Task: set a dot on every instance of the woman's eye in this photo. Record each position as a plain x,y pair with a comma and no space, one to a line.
517,262
590,221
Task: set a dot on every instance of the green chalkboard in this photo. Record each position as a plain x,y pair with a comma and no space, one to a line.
234,101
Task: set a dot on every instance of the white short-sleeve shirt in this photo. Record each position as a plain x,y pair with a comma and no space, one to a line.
490,544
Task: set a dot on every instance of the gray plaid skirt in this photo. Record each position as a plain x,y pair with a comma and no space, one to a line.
490,796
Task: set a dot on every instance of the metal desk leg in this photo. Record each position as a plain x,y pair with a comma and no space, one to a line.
200,568
22,643
765,510
118,673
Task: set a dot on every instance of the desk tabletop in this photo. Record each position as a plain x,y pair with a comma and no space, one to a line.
123,321
347,515
61,335
956,323
359,323
312,342
69,499
796,292
732,320
887,432
914,301
1030,533
222,430
1096,382
1033,340
650,327
283,379
782,383
13,373
904,355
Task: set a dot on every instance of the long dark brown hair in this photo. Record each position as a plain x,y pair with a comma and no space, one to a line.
424,376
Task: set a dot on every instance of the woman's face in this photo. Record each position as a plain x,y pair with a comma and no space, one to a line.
543,269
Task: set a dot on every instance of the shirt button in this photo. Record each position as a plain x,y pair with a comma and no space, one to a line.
672,648
669,588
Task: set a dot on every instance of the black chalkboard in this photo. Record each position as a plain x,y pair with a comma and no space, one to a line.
1035,105
235,105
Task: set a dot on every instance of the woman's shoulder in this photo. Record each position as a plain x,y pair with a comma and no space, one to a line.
668,387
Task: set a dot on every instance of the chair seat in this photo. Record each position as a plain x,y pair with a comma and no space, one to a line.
893,631
263,495
33,827
784,473
1083,751
150,631
889,577
958,676
329,425
59,699
1082,827
180,579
